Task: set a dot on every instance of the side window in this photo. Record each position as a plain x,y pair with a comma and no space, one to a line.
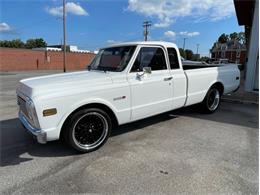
173,58
150,57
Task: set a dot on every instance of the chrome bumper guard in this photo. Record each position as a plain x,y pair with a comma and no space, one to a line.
41,136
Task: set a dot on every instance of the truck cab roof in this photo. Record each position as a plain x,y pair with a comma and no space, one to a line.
160,43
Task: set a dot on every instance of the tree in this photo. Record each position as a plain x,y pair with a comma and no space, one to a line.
204,59
223,38
35,43
189,54
234,36
16,43
242,37
182,53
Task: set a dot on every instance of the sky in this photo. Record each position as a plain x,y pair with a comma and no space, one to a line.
92,24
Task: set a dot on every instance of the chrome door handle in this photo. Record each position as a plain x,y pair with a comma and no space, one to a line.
167,79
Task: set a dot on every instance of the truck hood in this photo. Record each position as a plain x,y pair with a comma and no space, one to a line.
62,82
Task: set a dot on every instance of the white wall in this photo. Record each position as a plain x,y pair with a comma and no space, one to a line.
252,72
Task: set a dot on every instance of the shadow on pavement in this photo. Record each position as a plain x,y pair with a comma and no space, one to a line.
15,141
246,115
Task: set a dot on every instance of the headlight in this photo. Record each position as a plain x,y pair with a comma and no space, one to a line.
32,113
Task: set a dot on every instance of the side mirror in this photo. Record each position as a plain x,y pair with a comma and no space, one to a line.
147,70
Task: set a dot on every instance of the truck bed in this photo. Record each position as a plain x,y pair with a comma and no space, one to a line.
201,77
189,65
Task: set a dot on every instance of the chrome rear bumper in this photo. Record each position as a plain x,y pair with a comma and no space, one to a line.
41,136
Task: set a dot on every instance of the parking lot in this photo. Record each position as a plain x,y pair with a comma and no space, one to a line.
181,151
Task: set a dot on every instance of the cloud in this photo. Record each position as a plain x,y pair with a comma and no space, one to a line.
111,41
189,34
170,34
167,11
72,8
5,27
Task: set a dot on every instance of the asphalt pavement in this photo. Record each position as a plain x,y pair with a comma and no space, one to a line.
181,151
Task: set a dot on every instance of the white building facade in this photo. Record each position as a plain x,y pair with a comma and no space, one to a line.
248,15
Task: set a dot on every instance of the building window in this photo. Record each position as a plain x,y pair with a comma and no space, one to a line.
223,54
238,53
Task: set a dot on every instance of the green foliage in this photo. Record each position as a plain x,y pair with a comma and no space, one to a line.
17,43
233,36
35,43
242,37
204,59
223,38
189,54
182,53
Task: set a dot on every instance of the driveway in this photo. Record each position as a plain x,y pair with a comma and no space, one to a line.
181,151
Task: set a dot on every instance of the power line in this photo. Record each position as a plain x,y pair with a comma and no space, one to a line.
86,45
146,25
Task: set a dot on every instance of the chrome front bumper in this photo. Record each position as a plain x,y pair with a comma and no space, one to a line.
41,136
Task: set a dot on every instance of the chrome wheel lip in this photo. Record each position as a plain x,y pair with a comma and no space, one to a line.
216,101
102,137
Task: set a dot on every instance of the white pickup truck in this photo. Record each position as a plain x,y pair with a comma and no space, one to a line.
124,83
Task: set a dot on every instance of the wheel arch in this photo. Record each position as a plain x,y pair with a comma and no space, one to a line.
219,85
101,106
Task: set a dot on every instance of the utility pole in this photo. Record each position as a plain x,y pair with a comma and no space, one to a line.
198,48
184,39
146,24
64,35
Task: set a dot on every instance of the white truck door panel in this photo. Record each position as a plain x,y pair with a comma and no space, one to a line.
179,88
150,95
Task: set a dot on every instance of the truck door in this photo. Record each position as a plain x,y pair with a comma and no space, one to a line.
151,93
179,81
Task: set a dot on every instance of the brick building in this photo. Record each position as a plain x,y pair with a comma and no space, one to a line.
26,59
233,50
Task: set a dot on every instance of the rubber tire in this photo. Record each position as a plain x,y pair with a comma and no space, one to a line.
67,135
204,106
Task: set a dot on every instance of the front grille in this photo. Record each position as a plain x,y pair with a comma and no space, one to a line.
22,104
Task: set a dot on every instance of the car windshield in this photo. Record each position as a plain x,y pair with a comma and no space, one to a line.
112,59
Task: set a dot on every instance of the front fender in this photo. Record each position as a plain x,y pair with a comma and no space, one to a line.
77,105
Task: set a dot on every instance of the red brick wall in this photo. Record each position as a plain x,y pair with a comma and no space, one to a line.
26,59
231,55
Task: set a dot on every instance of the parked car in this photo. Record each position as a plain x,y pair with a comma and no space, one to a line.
227,62
124,83
221,61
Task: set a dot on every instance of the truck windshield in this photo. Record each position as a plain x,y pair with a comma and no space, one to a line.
112,59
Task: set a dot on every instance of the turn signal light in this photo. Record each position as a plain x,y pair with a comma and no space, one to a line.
49,112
